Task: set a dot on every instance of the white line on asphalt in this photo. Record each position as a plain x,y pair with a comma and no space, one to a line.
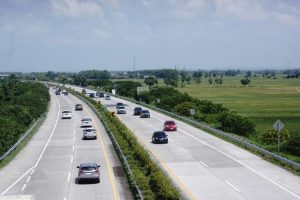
40,154
28,179
73,147
23,188
235,188
204,164
69,177
32,172
15,182
253,170
71,159
65,198
74,138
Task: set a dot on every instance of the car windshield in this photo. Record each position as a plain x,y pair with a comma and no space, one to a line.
88,168
145,111
66,111
160,134
86,119
78,105
170,123
121,107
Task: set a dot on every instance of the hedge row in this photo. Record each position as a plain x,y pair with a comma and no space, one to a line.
152,181
20,104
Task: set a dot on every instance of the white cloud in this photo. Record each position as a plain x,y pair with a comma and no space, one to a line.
77,8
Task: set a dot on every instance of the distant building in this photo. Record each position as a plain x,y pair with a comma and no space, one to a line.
4,76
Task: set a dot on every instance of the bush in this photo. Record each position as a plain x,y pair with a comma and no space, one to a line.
293,145
231,122
184,108
270,136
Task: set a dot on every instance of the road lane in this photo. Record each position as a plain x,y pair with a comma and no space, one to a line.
209,167
53,174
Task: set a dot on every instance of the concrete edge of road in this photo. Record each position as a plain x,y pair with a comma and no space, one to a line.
134,187
268,155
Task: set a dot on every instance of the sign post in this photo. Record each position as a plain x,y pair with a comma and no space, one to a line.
278,126
192,112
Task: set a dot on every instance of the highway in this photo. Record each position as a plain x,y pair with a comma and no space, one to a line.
206,167
46,167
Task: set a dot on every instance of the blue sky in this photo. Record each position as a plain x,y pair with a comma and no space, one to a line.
74,35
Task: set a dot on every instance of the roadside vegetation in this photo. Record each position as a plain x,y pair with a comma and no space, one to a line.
245,103
21,103
153,182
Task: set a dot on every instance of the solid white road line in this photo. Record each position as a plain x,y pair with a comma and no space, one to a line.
71,159
40,154
73,147
15,182
251,169
235,188
28,179
32,172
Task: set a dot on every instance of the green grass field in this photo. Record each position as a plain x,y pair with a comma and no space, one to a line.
264,101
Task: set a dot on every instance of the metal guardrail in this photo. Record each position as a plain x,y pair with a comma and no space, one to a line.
220,133
19,141
138,193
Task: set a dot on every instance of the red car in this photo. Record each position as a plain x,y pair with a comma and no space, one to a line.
170,126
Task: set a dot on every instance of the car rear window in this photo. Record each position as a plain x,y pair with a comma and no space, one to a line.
88,168
170,122
66,112
121,107
159,134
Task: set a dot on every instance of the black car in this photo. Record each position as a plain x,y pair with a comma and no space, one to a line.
159,137
100,94
119,104
92,95
145,114
137,111
57,92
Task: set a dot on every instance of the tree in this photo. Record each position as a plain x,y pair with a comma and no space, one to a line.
245,81
248,74
184,108
183,75
151,80
171,77
210,81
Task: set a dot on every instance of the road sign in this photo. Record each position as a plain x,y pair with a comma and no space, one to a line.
278,126
158,100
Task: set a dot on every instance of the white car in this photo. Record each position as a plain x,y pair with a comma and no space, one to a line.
86,122
66,114
89,133
107,97
121,110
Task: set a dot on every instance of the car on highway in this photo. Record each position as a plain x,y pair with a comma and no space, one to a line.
83,91
145,114
57,92
65,92
107,97
78,106
92,95
66,114
89,133
100,94
86,122
119,104
88,171
159,137
121,110
137,111
170,125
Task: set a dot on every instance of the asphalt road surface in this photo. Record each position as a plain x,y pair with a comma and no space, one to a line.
46,167
206,167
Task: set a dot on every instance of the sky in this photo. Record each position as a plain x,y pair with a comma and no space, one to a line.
75,35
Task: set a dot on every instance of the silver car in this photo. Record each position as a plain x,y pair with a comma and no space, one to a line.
86,122
66,114
88,171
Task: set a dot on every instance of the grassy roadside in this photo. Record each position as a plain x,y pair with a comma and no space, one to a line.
153,182
22,144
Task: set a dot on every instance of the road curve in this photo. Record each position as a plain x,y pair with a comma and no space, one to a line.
46,167
206,167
